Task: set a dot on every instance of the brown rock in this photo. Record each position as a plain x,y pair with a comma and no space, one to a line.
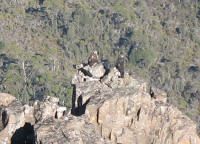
97,71
123,111
73,130
15,116
6,99
16,121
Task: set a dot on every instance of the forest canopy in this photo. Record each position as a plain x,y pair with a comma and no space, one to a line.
40,40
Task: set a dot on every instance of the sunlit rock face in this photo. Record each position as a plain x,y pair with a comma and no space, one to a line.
106,109
123,111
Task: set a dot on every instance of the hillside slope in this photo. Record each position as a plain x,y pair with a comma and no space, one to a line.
41,40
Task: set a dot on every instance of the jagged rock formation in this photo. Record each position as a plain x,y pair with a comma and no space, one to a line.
12,117
106,109
124,112
16,123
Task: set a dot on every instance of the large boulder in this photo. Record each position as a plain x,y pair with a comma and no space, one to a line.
87,73
12,118
6,99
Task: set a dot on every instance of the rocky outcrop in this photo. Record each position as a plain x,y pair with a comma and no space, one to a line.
16,125
124,112
106,109
12,117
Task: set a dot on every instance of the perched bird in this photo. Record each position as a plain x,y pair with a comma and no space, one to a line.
93,59
120,65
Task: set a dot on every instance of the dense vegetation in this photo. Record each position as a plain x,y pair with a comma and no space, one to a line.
41,40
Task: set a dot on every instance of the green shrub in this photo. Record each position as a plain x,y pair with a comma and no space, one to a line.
143,57
2,45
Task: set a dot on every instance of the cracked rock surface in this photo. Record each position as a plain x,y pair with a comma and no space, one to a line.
106,109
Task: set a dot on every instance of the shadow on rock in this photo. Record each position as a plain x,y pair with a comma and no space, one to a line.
24,135
80,110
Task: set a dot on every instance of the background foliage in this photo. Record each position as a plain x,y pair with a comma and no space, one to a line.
40,40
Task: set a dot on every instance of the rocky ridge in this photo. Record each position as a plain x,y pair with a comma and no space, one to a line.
106,109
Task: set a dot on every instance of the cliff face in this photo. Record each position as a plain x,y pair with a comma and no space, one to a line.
105,110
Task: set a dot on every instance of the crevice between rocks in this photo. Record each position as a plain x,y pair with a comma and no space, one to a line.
138,114
24,135
4,119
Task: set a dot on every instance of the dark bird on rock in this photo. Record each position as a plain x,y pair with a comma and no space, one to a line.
93,59
120,65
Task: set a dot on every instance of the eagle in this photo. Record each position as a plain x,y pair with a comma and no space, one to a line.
93,59
120,65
